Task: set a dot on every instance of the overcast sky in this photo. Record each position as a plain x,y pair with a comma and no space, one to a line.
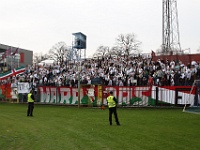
39,24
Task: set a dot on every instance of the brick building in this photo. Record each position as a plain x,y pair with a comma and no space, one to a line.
15,57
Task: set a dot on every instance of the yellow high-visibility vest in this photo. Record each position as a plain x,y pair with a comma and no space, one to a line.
111,102
29,98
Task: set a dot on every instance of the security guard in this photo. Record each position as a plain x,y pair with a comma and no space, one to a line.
112,105
31,99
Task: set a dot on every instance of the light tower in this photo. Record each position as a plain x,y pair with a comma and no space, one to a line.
79,53
170,31
79,46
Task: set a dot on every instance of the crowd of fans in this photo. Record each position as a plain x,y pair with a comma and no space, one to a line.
112,71
4,67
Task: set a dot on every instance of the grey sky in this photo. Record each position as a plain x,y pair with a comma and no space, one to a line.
39,24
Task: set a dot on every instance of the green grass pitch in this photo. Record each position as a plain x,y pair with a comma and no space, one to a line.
72,128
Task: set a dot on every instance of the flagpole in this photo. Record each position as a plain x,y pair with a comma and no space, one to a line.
18,57
14,61
11,58
3,61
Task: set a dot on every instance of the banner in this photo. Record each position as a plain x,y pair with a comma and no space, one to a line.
5,91
174,94
96,95
23,87
13,72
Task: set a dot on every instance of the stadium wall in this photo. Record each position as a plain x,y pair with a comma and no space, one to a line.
96,95
185,58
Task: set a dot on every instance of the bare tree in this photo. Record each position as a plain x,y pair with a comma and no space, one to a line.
38,57
69,53
102,51
116,51
58,52
128,43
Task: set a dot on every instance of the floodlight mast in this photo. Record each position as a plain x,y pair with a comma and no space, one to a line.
79,48
170,29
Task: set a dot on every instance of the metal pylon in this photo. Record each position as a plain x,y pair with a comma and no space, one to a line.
171,36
